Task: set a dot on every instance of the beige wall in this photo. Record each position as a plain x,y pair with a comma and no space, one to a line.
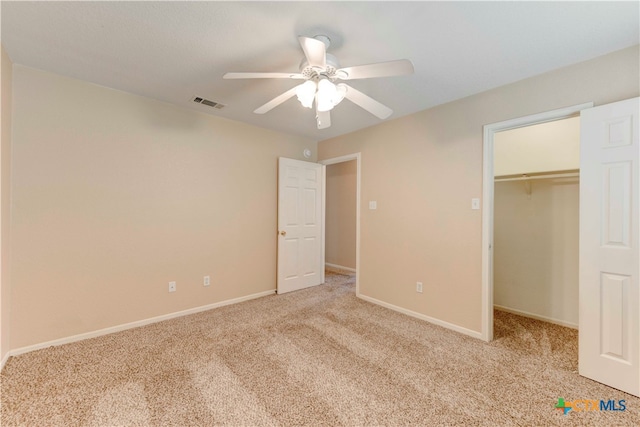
340,235
115,195
553,146
424,169
535,264
5,200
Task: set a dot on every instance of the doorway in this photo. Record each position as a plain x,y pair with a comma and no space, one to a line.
342,216
536,221
488,213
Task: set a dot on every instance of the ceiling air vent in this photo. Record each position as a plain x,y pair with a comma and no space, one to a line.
213,104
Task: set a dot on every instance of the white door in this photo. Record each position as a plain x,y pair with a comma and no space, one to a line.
300,224
609,237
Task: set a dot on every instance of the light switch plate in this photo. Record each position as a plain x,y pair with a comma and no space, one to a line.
373,205
475,204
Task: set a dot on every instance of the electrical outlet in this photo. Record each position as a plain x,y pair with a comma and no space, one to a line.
172,286
419,287
207,280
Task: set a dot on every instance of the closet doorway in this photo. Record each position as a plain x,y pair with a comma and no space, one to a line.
536,221
489,133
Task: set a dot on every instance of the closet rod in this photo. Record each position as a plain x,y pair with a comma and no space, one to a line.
530,177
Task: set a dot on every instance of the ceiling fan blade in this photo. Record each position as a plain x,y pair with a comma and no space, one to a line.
323,119
262,76
314,50
276,101
380,69
371,105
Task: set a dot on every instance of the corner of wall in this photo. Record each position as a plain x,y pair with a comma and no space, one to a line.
6,79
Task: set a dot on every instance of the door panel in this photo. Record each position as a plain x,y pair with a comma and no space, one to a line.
616,204
614,324
609,343
300,228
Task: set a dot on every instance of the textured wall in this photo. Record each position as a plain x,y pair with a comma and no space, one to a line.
535,261
340,241
115,195
545,147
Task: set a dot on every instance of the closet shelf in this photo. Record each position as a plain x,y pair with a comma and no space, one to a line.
543,175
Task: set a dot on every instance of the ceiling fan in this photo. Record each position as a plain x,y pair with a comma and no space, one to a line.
320,72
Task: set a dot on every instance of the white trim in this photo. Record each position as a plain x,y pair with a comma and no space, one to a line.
4,360
342,159
136,324
486,326
537,317
420,316
324,219
339,267
487,195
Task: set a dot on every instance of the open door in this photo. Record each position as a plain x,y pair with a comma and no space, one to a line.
609,336
300,224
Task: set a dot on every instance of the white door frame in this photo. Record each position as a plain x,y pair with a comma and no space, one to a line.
342,159
487,196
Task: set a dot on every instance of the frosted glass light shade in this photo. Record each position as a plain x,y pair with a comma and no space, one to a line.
326,95
306,93
341,91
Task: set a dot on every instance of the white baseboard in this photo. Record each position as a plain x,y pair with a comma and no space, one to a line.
131,325
4,360
339,267
536,316
420,316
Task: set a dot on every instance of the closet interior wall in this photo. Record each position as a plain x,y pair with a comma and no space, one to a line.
536,248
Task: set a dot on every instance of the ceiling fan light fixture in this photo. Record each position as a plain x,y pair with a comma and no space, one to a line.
306,93
341,92
320,71
329,95
326,94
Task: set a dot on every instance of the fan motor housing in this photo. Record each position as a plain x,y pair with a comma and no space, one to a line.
309,72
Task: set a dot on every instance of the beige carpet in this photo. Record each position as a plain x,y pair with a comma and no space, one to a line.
314,357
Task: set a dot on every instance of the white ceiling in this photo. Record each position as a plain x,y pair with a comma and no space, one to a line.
172,51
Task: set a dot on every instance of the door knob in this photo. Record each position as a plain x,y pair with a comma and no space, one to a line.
283,233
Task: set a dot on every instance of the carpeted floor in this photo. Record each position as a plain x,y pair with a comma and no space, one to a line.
315,357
